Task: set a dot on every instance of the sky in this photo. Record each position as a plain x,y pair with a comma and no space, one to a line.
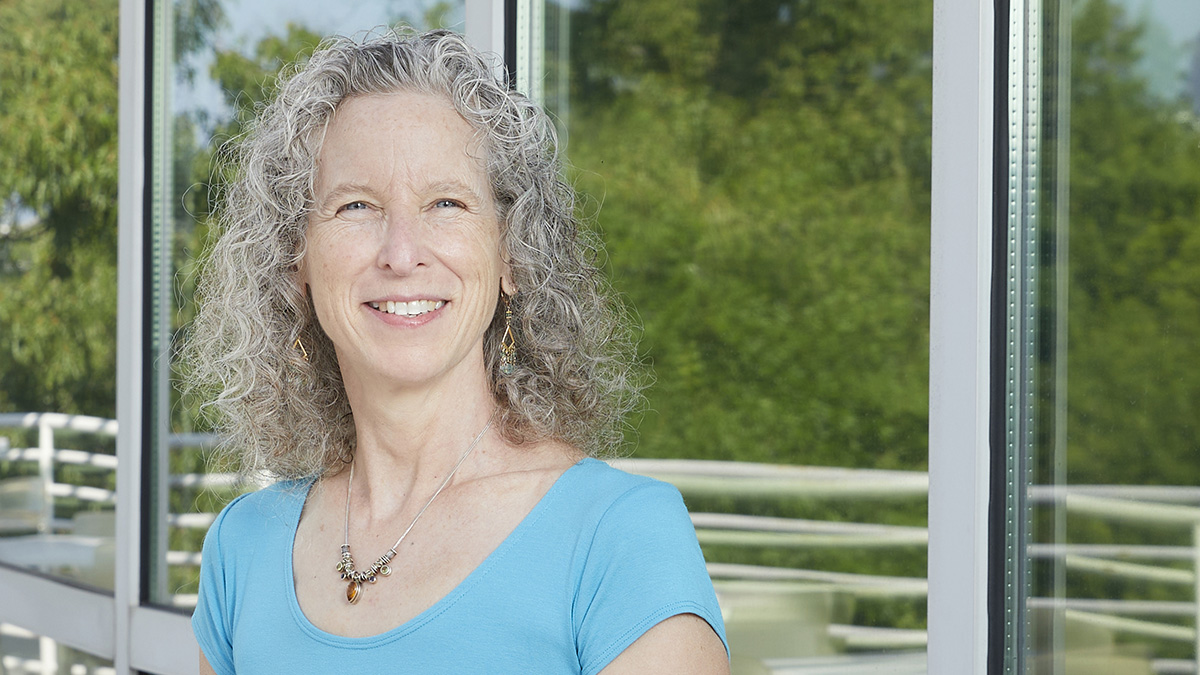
248,21
1171,40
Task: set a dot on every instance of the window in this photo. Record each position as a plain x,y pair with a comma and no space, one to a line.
58,288
1100,508
760,175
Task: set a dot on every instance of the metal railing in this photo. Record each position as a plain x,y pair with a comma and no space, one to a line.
26,653
1163,506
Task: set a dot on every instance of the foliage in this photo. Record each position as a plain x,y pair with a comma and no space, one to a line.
58,182
58,177
1134,313
764,174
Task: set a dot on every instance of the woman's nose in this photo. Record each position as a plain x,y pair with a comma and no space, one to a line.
402,250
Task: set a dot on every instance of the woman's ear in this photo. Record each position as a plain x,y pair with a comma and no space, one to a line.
300,274
506,283
301,280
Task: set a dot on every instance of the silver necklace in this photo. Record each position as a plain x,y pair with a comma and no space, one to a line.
381,567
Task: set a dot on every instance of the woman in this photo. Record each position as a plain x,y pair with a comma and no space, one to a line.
406,327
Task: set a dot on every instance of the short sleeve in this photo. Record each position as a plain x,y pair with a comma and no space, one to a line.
213,618
644,565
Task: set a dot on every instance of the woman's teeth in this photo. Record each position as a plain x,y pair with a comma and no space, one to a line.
413,308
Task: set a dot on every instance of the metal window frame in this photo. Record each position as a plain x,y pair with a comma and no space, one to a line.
960,335
146,638
78,617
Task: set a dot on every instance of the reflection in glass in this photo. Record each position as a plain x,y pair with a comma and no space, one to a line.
214,60
58,283
24,652
57,499
760,175
1113,548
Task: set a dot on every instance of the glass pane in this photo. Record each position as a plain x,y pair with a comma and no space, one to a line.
24,652
760,175
58,286
214,60
1105,384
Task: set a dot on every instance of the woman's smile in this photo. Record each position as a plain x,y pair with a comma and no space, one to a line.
410,309
406,313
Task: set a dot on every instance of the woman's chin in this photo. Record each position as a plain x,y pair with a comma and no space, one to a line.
414,370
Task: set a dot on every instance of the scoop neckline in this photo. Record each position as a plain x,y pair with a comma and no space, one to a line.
442,604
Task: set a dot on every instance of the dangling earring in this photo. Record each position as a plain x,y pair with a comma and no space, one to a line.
508,344
300,346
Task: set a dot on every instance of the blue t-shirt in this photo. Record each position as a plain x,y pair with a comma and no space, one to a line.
602,558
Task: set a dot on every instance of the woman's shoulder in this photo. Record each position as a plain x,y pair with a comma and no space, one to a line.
606,476
248,513
605,491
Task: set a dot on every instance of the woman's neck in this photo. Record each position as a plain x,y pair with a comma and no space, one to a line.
408,438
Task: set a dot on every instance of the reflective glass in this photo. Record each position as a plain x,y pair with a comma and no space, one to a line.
759,173
24,652
58,286
1102,369
213,61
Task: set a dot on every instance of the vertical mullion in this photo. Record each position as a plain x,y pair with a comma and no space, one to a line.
485,25
530,64
1031,334
130,315
960,335
161,222
1020,317
1014,189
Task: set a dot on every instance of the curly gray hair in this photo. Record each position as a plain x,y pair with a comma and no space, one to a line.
577,375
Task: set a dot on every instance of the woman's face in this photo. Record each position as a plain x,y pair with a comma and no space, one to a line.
403,258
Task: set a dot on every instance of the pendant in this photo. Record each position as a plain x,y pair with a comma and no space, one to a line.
353,591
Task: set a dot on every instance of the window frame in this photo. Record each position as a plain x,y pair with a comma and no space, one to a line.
961,232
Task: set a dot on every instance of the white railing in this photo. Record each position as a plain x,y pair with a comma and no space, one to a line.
26,653
33,507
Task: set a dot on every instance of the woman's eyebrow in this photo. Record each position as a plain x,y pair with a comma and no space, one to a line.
456,187
342,190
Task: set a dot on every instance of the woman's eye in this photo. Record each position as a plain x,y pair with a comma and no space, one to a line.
447,203
352,206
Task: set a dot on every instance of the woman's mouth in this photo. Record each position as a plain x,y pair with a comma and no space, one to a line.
410,309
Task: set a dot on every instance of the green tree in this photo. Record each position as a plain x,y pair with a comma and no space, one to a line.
58,199
58,175
1134,316
764,174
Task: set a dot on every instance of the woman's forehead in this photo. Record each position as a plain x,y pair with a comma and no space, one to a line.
410,135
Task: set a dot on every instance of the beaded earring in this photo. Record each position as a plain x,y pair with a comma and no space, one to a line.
508,344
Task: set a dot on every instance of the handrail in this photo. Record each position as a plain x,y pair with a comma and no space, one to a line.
1149,493
745,479
85,423
1166,505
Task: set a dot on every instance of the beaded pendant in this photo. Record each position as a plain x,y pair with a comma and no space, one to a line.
356,579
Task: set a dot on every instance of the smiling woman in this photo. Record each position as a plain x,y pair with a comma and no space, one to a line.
403,323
